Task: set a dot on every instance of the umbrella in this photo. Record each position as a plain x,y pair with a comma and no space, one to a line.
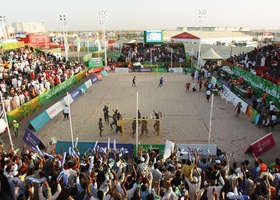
3,125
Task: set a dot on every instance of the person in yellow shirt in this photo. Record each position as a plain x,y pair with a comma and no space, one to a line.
188,168
119,125
15,126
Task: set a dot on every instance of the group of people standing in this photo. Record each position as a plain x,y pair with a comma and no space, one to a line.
143,121
117,120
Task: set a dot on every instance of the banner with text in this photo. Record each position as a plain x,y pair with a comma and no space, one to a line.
32,140
262,145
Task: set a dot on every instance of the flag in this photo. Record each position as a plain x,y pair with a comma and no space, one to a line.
78,44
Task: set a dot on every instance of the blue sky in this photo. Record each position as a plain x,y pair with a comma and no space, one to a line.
144,14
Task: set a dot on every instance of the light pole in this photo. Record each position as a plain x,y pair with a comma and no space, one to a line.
201,17
103,19
3,19
62,18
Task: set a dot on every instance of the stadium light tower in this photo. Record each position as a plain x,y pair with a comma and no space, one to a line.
201,17
103,19
3,19
62,18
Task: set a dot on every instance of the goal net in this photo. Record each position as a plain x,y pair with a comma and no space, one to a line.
149,130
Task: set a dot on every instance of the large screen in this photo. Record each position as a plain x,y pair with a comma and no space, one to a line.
153,36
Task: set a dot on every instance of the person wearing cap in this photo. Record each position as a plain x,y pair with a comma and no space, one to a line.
15,126
143,165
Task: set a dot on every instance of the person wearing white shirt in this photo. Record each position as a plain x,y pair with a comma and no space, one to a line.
47,85
3,87
157,175
272,106
16,98
21,98
14,82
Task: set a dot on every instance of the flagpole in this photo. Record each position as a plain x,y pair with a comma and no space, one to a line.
70,119
6,120
136,124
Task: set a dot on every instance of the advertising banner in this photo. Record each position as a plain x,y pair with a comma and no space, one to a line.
259,85
53,93
83,88
75,94
10,45
54,109
158,148
145,69
104,73
80,76
262,145
87,57
94,79
40,120
88,84
253,114
99,76
24,111
121,70
32,140
87,147
176,70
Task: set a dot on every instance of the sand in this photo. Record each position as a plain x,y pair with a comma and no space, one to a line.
185,115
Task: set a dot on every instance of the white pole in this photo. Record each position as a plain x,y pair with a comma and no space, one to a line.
6,120
210,123
105,47
103,20
70,120
201,15
136,123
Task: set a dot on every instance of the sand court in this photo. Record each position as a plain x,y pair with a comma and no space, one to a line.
185,115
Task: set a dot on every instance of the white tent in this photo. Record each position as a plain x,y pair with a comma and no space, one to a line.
119,43
211,55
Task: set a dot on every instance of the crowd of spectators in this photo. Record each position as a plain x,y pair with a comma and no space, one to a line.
25,74
262,61
144,52
105,174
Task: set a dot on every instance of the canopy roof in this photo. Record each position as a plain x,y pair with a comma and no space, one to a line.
211,55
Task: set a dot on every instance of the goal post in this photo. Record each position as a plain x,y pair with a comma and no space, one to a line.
153,68
149,130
